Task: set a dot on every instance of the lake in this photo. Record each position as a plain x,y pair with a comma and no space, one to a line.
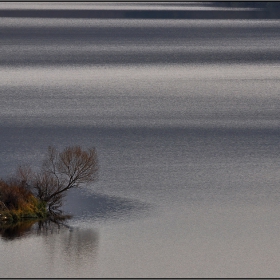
184,115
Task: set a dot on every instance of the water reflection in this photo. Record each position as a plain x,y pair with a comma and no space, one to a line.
51,248
71,247
63,247
19,230
82,205
11,231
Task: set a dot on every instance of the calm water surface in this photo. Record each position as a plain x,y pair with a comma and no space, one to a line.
184,115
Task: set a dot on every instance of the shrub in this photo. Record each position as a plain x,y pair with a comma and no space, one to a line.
18,202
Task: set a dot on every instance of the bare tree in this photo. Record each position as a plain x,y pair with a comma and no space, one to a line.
60,172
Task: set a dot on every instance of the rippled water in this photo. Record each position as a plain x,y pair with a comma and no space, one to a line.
184,115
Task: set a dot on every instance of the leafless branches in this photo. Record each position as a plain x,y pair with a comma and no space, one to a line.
60,172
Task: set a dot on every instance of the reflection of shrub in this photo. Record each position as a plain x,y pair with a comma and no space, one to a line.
10,231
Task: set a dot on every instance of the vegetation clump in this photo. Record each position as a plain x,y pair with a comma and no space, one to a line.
17,202
40,194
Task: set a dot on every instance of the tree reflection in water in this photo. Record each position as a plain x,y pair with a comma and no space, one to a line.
22,229
18,230
64,247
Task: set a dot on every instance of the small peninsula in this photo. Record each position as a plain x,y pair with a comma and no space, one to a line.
39,195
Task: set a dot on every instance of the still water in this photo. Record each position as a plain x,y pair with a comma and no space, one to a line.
184,115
